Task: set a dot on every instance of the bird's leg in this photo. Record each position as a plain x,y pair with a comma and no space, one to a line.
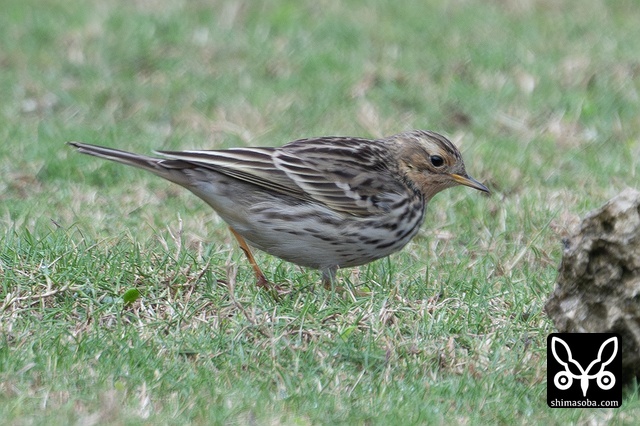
329,277
261,280
329,282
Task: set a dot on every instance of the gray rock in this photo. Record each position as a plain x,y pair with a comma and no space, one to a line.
598,287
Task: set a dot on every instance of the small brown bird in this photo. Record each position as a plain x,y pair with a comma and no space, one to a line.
323,203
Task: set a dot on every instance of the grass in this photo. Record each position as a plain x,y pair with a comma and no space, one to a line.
542,98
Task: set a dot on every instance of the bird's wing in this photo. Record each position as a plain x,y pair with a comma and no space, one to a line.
251,165
347,175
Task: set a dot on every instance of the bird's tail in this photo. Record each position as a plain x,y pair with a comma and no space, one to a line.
158,166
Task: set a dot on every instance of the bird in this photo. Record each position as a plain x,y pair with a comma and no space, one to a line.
324,203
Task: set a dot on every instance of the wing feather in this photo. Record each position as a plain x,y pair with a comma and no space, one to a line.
351,176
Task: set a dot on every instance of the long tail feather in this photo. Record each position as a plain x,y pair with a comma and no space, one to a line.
172,170
136,160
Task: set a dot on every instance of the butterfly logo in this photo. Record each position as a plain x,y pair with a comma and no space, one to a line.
564,379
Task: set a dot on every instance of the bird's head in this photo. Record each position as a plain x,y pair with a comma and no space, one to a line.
431,162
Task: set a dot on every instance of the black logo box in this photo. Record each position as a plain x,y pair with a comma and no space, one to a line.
584,370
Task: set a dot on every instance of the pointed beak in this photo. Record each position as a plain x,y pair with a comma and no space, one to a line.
469,181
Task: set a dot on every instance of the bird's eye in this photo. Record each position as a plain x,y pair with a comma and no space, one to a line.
436,160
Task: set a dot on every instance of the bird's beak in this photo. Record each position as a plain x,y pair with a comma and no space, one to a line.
469,181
